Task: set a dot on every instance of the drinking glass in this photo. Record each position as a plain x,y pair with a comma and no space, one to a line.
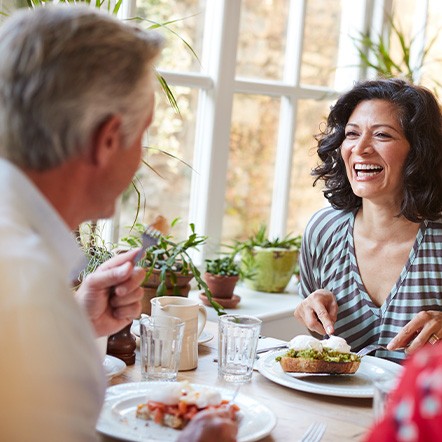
237,342
382,390
194,316
160,346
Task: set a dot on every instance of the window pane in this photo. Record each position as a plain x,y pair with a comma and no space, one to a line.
189,26
251,163
321,40
304,198
168,194
261,44
403,18
432,69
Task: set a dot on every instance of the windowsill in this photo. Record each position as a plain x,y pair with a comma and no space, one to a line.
274,309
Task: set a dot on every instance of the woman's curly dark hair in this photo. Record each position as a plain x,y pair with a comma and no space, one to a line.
421,120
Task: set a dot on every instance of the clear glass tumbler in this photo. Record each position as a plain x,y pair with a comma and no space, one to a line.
382,389
160,346
237,343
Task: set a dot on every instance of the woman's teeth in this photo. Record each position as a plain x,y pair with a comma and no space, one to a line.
367,170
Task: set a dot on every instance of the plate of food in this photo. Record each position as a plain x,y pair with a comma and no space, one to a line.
128,411
204,337
333,373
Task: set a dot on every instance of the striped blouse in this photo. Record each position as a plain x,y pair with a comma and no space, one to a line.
328,261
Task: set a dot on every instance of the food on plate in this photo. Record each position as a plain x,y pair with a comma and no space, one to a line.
307,354
175,404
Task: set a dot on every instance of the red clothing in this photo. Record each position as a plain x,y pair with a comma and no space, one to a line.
415,410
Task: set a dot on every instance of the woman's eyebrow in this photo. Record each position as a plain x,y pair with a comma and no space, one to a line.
376,126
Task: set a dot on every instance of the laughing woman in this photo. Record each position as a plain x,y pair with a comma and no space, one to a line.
371,264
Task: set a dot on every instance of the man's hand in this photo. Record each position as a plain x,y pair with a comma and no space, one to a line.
209,426
111,296
318,312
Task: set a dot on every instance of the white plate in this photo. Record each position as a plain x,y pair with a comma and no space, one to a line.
205,336
113,366
359,385
118,419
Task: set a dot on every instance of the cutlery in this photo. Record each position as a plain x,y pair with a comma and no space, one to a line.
235,393
372,347
314,432
149,238
275,347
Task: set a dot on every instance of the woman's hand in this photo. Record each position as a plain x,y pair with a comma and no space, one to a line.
318,311
418,331
211,425
111,296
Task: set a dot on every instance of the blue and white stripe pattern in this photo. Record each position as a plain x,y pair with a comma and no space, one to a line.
328,261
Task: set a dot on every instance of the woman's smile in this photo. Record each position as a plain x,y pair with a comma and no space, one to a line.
375,150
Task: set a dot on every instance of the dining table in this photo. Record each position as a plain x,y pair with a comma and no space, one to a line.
346,418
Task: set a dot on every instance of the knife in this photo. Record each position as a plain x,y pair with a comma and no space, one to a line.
277,347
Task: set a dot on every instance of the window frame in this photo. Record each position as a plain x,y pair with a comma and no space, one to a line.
218,84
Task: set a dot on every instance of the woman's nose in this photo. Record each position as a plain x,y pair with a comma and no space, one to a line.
363,145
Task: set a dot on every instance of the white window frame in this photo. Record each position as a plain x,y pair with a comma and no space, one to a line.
218,84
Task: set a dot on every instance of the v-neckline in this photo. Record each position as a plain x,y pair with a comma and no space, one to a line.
357,275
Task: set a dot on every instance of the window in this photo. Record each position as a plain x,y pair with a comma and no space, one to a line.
250,106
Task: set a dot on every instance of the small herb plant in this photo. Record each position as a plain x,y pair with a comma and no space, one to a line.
169,257
223,266
96,249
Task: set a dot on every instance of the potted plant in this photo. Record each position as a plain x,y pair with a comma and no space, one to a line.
268,264
121,344
221,276
95,248
169,266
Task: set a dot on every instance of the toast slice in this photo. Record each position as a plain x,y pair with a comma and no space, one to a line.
317,366
327,361
162,416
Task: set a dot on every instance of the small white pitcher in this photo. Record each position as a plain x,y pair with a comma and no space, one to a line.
194,316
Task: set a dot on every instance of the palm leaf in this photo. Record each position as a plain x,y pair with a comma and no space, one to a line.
165,25
169,94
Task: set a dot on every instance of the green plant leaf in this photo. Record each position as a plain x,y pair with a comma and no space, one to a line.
168,92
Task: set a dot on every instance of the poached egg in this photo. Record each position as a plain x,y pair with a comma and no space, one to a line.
174,392
337,344
305,342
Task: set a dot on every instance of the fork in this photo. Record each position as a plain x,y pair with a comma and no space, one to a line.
235,393
372,347
314,432
149,238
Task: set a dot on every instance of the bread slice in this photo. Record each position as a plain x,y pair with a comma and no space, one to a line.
160,416
317,366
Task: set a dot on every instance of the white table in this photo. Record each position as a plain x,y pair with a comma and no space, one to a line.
274,309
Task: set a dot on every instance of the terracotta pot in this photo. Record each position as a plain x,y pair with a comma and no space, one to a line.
221,286
180,288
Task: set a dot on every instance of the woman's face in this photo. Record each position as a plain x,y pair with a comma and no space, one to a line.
374,152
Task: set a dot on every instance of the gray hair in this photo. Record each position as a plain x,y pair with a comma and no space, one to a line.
64,70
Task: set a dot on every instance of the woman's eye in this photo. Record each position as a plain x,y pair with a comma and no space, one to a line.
350,134
382,135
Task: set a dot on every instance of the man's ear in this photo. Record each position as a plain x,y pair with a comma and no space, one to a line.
106,140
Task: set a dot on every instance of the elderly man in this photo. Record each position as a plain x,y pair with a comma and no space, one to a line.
76,96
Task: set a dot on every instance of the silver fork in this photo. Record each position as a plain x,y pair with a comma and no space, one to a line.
149,238
373,347
235,393
314,433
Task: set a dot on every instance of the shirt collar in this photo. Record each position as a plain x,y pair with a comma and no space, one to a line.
41,216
